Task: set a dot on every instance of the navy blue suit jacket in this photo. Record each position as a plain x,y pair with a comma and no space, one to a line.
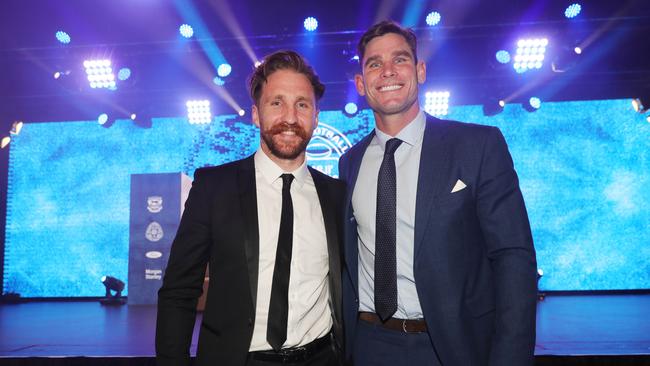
474,266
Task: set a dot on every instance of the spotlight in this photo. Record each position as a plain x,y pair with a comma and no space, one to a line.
310,24
224,70
112,284
351,108
572,10
641,104
102,119
186,30
257,64
133,116
5,142
100,73
433,18
436,103
57,74
218,81
16,127
530,54
198,111
241,113
124,73
533,104
493,107
502,56
577,50
63,37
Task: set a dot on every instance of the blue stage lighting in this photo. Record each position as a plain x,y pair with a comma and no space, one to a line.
224,70
530,54
102,118
100,74
535,102
218,81
503,56
63,37
433,18
572,10
351,108
436,103
198,111
310,24
186,30
124,73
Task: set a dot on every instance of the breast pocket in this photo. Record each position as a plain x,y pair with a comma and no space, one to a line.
452,202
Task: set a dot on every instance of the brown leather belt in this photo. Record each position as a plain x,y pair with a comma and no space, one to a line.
400,325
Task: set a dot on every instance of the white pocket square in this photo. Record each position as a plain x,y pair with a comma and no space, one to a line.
459,186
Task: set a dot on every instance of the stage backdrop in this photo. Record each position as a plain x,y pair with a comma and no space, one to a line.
584,169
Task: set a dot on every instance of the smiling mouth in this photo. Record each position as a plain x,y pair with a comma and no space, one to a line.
390,88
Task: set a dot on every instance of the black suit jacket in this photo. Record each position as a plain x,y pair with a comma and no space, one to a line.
220,226
474,261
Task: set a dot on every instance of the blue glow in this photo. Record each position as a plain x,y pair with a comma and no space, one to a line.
351,108
582,167
572,10
503,56
186,30
535,102
218,81
124,73
224,70
63,37
310,24
103,118
433,18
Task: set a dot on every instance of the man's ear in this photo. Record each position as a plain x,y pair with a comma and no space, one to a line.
256,116
358,82
421,70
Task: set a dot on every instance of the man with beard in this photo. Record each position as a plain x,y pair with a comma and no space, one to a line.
268,226
440,265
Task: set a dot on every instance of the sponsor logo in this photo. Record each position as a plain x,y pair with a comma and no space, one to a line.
154,232
153,254
153,274
326,147
154,204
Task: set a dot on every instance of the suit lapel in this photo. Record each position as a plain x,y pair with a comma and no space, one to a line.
248,203
330,217
433,162
352,246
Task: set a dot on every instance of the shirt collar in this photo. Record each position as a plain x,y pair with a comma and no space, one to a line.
411,134
272,172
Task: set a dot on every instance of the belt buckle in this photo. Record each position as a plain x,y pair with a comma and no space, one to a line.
404,326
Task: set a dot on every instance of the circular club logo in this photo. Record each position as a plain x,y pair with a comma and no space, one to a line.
326,147
154,232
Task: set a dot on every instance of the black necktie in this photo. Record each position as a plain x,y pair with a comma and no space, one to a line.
385,235
276,332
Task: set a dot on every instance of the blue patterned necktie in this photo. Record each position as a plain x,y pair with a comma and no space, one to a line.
385,235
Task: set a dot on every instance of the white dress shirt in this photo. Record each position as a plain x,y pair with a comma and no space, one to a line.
364,203
309,315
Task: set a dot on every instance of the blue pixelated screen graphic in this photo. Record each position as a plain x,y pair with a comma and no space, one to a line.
583,167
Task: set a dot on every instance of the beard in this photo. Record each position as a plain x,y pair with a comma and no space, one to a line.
284,150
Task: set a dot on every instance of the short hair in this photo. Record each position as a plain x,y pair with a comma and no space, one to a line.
385,27
283,60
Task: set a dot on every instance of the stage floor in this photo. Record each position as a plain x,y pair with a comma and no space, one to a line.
567,325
